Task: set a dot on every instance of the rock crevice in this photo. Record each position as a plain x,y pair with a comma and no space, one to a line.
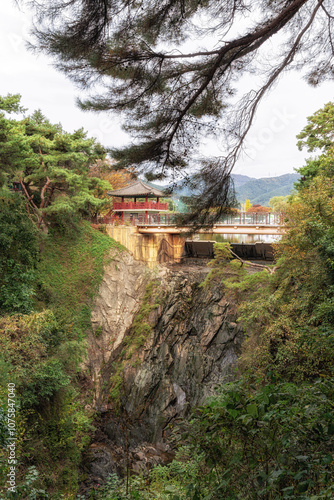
192,347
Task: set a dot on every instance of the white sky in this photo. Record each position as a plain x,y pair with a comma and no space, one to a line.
271,144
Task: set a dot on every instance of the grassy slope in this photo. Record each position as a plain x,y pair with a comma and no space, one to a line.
57,428
70,271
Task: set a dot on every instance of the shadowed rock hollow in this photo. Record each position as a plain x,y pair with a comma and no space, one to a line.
191,347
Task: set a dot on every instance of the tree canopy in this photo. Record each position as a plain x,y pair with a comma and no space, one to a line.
319,131
171,70
51,165
318,135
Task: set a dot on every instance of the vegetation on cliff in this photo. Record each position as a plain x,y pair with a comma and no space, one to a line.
267,435
270,434
135,338
41,353
51,263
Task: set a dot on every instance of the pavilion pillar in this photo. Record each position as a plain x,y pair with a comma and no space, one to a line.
123,217
146,213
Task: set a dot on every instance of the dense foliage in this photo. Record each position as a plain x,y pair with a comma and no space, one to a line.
51,263
41,352
49,166
18,254
270,434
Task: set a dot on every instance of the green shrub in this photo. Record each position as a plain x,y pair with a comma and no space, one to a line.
18,255
46,380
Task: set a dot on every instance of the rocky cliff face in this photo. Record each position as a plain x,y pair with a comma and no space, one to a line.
119,298
191,347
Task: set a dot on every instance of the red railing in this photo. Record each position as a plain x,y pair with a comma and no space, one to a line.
135,220
139,205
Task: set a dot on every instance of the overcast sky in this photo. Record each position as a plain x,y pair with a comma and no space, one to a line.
271,145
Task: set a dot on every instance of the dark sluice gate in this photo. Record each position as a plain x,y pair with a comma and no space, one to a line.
246,251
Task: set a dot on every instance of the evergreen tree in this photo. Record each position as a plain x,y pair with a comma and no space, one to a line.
52,166
318,136
170,96
14,147
319,131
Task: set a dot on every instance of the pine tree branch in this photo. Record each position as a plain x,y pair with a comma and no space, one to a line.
244,46
166,95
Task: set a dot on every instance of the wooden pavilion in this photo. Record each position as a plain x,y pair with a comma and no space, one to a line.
130,209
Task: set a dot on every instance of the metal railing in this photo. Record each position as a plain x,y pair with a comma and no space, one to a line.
253,218
239,219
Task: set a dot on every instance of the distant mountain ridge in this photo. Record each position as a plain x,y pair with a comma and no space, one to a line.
258,191
240,180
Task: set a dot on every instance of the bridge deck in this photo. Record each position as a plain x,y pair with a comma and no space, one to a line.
217,229
170,220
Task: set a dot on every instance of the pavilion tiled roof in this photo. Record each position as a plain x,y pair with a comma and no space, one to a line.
138,189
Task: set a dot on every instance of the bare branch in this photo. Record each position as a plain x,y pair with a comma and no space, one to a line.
45,187
270,270
29,198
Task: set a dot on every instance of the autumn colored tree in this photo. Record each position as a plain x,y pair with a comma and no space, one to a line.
258,209
107,170
246,206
